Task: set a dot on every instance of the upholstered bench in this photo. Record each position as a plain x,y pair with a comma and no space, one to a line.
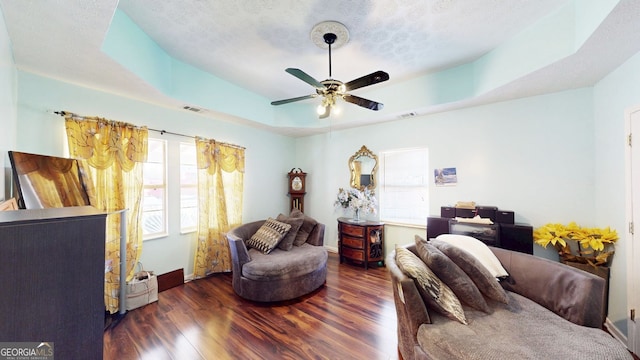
279,274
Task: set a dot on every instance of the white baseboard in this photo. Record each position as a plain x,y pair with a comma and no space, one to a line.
615,332
331,249
188,277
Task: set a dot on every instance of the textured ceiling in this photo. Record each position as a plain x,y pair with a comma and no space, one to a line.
250,43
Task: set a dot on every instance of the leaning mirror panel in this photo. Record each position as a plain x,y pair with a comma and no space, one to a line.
362,166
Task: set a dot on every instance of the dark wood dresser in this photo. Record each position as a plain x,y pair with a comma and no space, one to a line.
361,242
52,279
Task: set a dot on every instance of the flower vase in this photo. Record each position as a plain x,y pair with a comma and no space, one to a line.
356,215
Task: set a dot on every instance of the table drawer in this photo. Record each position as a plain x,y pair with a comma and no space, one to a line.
353,254
357,231
349,241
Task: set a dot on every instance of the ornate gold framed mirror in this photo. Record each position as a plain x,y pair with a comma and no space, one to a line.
362,166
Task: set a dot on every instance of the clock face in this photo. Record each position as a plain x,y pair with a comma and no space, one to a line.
296,184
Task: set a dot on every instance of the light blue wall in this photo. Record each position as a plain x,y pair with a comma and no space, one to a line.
613,95
533,156
268,156
8,98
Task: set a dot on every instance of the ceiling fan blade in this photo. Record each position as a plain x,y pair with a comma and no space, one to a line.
327,112
369,104
286,101
373,78
304,77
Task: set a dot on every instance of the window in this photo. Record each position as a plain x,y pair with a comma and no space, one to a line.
404,192
154,214
188,188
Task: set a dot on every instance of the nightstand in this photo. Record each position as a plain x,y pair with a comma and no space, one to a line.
361,242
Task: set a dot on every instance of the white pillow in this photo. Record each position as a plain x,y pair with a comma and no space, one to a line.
478,249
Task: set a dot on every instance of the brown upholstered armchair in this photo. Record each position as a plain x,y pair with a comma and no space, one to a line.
279,275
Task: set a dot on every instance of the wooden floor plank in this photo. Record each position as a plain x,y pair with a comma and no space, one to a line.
351,317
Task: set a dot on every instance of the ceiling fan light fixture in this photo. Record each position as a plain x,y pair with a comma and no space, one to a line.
327,102
328,35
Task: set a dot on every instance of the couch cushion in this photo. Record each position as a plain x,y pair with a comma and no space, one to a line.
521,329
451,274
484,280
305,230
280,264
287,242
478,249
434,292
268,235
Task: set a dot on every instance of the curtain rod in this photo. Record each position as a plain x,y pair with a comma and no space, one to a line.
162,132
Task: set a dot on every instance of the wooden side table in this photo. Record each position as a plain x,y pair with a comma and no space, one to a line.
361,242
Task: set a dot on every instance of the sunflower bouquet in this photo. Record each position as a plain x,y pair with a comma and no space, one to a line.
578,244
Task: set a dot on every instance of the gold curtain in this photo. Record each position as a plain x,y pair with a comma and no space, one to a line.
111,157
220,184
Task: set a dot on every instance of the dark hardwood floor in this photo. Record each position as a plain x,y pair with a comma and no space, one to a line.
351,317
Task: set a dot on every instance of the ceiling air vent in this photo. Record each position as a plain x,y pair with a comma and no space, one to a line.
408,115
191,108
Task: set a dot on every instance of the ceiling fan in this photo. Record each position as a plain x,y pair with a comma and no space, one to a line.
332,89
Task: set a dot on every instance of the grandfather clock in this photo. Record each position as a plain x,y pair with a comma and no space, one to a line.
297,188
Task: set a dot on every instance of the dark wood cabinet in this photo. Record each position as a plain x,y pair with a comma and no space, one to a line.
361,242
516,237
52,279
487,233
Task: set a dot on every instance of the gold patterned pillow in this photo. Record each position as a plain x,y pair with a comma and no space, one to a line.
434,292
268,236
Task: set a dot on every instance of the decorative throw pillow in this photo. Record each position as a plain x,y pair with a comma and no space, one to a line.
434,292
287,243
451,274
268,236
484,280
305,230
478,249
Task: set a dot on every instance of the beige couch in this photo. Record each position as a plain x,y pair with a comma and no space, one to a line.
553,312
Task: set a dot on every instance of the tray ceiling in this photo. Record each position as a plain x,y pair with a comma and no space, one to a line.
248,44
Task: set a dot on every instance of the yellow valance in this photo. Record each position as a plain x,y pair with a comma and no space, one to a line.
101,142
219,155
